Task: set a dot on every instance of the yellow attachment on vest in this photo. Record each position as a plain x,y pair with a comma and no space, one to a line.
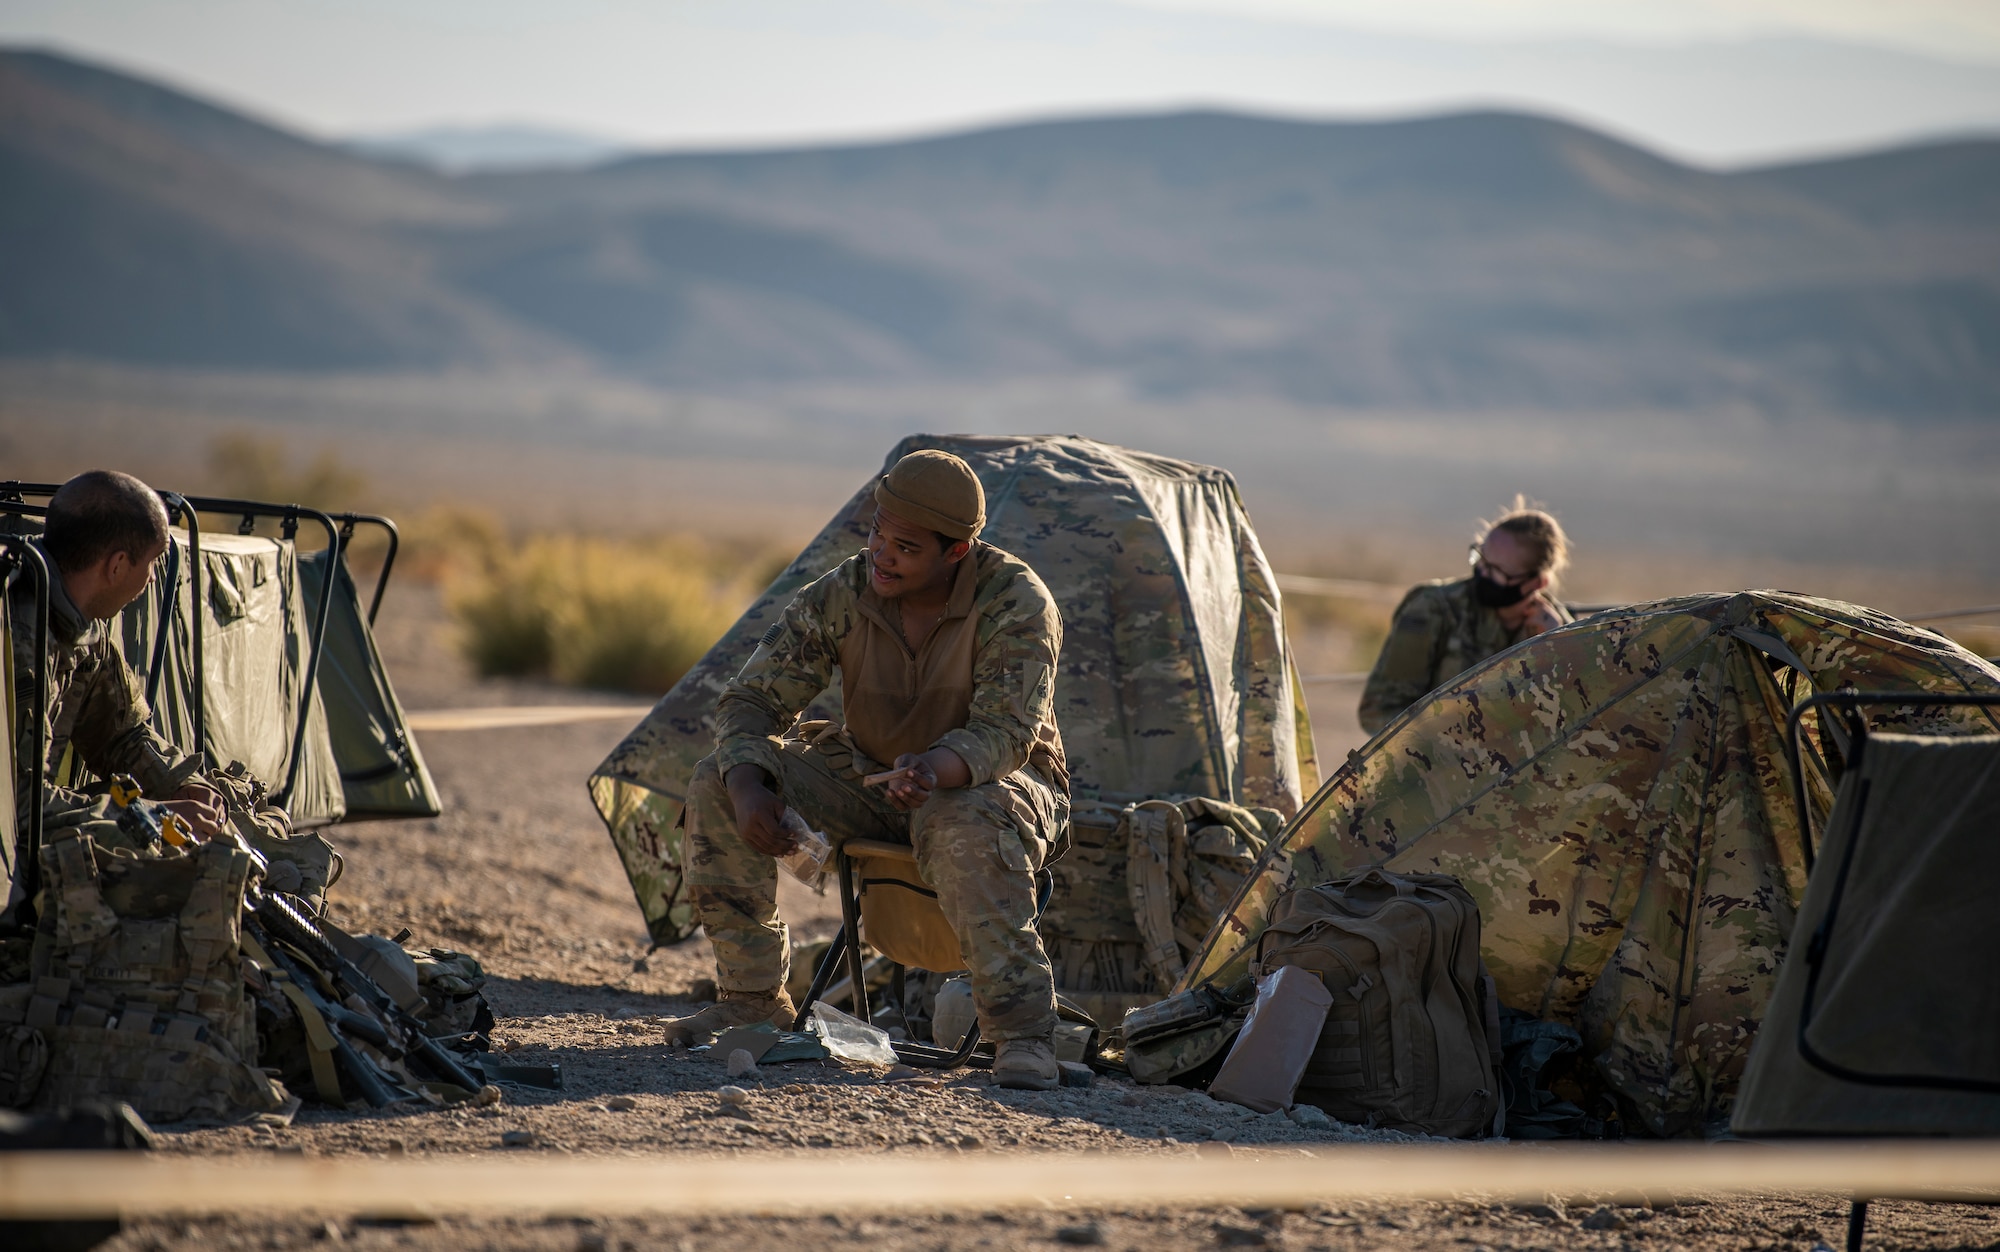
125,790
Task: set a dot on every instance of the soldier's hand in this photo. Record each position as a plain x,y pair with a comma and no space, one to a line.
760,814
201,807
1541,618
915,786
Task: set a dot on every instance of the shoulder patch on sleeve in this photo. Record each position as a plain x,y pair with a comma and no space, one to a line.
771,634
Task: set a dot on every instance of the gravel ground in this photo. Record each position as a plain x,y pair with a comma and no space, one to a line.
519,872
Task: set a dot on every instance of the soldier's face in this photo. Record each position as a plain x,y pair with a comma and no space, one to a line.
906,559
120,578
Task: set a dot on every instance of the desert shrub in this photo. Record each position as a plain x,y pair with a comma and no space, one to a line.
628,616
251,467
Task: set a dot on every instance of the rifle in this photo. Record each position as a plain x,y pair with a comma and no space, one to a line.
373,1086
288,925
285,922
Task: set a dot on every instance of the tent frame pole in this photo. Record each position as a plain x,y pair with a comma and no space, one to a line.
21,556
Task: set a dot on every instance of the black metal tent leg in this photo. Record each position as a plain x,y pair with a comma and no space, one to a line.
1857,1224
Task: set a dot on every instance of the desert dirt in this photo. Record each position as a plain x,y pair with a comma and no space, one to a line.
519,872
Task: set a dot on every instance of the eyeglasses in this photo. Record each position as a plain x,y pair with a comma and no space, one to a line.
1477,560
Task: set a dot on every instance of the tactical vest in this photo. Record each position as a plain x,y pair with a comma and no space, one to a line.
139,983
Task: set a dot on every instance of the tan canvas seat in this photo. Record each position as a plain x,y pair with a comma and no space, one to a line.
900,917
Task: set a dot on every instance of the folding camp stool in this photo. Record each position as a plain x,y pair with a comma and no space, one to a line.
882,892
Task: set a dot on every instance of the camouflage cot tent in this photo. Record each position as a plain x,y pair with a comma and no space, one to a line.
1176,678
1615,796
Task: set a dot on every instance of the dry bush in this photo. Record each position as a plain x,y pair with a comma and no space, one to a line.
251,467
626,616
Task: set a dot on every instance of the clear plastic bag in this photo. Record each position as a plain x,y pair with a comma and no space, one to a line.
807,861
850,1038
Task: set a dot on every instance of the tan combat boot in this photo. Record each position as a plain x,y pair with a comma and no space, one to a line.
1026,1065
731,1008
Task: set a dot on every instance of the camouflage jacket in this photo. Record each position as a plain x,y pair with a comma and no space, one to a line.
1012,720
1439,632
95,704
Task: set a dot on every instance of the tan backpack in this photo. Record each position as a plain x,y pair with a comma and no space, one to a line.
138,983
1410,1043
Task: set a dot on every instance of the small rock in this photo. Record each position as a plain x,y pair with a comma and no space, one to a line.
733,1096
969,1141
1310,1116
1215,1147
1085,1235
396,1147
626,1014
331,1232
742,1064
902,1071
701,989
1604,1218
1222,1134
1228,1235
621,1104
486,1097
518,1139
1131,1099
589,1241
641,966
1549,1212
1075,1073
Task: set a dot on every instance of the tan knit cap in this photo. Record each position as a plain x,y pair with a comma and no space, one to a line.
937,490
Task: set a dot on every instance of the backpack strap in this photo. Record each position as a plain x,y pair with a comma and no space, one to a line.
1156,836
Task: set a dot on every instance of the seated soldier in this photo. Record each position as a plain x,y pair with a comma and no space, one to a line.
103,533
1444,628
947,651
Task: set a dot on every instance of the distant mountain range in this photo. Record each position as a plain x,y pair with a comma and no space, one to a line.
1474,261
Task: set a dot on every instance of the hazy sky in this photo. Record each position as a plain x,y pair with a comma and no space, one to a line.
1713,79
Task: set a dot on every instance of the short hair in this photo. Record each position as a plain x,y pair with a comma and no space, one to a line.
100,512
1531,523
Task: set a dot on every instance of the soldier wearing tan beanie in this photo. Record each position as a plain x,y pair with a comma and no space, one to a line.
947,651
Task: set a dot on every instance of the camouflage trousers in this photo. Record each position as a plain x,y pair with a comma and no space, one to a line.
977,847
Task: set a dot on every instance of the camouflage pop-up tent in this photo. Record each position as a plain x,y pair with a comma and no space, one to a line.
1175,680
1615,796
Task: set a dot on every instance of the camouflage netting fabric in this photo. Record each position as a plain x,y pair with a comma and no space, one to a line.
1176,678
1616,797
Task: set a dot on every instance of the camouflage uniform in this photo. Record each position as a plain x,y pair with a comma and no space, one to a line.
1439,632
94,705
1176,677
976,846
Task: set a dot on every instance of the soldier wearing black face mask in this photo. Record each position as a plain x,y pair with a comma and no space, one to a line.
1446,627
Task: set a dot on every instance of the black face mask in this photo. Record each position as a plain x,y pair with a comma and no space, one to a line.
1495,595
